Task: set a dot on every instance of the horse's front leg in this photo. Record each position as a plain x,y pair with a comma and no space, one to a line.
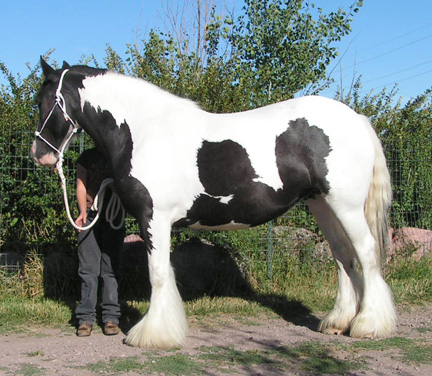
164,325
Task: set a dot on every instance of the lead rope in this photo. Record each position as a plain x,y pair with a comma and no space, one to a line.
113,208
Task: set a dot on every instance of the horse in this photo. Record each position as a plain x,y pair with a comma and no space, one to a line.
176,165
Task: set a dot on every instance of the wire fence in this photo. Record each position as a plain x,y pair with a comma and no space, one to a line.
21,181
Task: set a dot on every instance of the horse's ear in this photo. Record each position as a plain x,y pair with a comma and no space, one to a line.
65,65
46,68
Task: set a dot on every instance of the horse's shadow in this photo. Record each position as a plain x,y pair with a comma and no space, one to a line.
201,269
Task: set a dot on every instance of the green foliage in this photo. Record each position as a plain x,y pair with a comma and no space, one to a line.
271,51
285,46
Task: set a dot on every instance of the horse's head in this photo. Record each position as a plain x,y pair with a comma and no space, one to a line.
56,128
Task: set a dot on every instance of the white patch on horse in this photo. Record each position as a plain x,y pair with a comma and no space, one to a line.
222,199
225,199
226,227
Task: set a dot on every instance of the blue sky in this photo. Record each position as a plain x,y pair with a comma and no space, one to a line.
391,41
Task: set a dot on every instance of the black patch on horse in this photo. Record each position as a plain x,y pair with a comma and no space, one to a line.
116,144
300,157
225,169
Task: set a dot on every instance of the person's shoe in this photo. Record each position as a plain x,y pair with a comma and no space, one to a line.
84,330
111,328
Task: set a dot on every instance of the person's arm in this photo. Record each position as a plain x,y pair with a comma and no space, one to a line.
81,194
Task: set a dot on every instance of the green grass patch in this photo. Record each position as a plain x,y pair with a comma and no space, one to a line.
35,353
410,280
411,350
312,357
28,370
18,313
178,364
424,330
114,366
231,356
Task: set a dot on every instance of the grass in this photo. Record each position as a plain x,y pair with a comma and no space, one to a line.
300,281
312,357
29,370
410,280
178,364
17,313
412,350
114,366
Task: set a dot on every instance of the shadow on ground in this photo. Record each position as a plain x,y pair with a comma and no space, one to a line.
201,269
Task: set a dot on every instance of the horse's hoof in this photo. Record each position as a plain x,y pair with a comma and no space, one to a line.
334,331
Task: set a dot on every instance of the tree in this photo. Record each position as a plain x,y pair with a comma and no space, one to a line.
284,46
271,51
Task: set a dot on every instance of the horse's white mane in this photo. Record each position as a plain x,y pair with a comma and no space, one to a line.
131,98
141,87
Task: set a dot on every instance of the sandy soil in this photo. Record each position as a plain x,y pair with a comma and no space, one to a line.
216,346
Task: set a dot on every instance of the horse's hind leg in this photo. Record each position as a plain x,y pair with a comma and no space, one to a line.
350,287
376,317
164,325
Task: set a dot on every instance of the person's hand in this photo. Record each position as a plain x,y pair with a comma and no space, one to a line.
82,218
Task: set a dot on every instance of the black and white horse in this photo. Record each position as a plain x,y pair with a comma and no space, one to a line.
177,165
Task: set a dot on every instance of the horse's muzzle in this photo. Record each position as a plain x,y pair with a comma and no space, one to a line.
48,159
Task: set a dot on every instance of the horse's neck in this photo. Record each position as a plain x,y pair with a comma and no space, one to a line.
127,97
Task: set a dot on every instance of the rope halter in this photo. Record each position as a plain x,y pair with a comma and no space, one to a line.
61,103
114,206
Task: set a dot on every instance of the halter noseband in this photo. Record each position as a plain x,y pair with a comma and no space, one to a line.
61,103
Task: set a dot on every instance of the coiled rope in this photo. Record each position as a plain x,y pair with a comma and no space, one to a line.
112,210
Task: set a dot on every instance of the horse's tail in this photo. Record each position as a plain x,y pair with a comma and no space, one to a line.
379,198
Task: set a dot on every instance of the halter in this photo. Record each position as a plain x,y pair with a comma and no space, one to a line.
61,103
114,205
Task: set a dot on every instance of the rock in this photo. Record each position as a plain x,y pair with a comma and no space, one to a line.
301,241
413,241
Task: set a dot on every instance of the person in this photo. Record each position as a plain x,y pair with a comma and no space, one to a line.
98,248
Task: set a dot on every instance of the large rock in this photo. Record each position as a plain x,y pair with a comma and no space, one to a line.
412,241
301,241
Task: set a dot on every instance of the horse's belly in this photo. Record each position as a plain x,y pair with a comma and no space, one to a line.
235,212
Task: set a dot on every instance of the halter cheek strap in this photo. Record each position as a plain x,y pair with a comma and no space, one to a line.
61,103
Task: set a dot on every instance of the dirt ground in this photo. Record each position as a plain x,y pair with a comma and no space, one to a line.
227,346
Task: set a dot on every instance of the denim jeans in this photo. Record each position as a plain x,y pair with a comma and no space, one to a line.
98,254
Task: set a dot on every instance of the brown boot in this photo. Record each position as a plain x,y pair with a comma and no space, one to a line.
111,328
84,330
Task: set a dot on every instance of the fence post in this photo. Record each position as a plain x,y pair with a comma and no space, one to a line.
270,251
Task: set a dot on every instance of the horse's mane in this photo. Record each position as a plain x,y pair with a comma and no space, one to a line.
87,71
156,90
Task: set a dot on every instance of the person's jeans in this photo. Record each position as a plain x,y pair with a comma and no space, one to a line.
98,254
